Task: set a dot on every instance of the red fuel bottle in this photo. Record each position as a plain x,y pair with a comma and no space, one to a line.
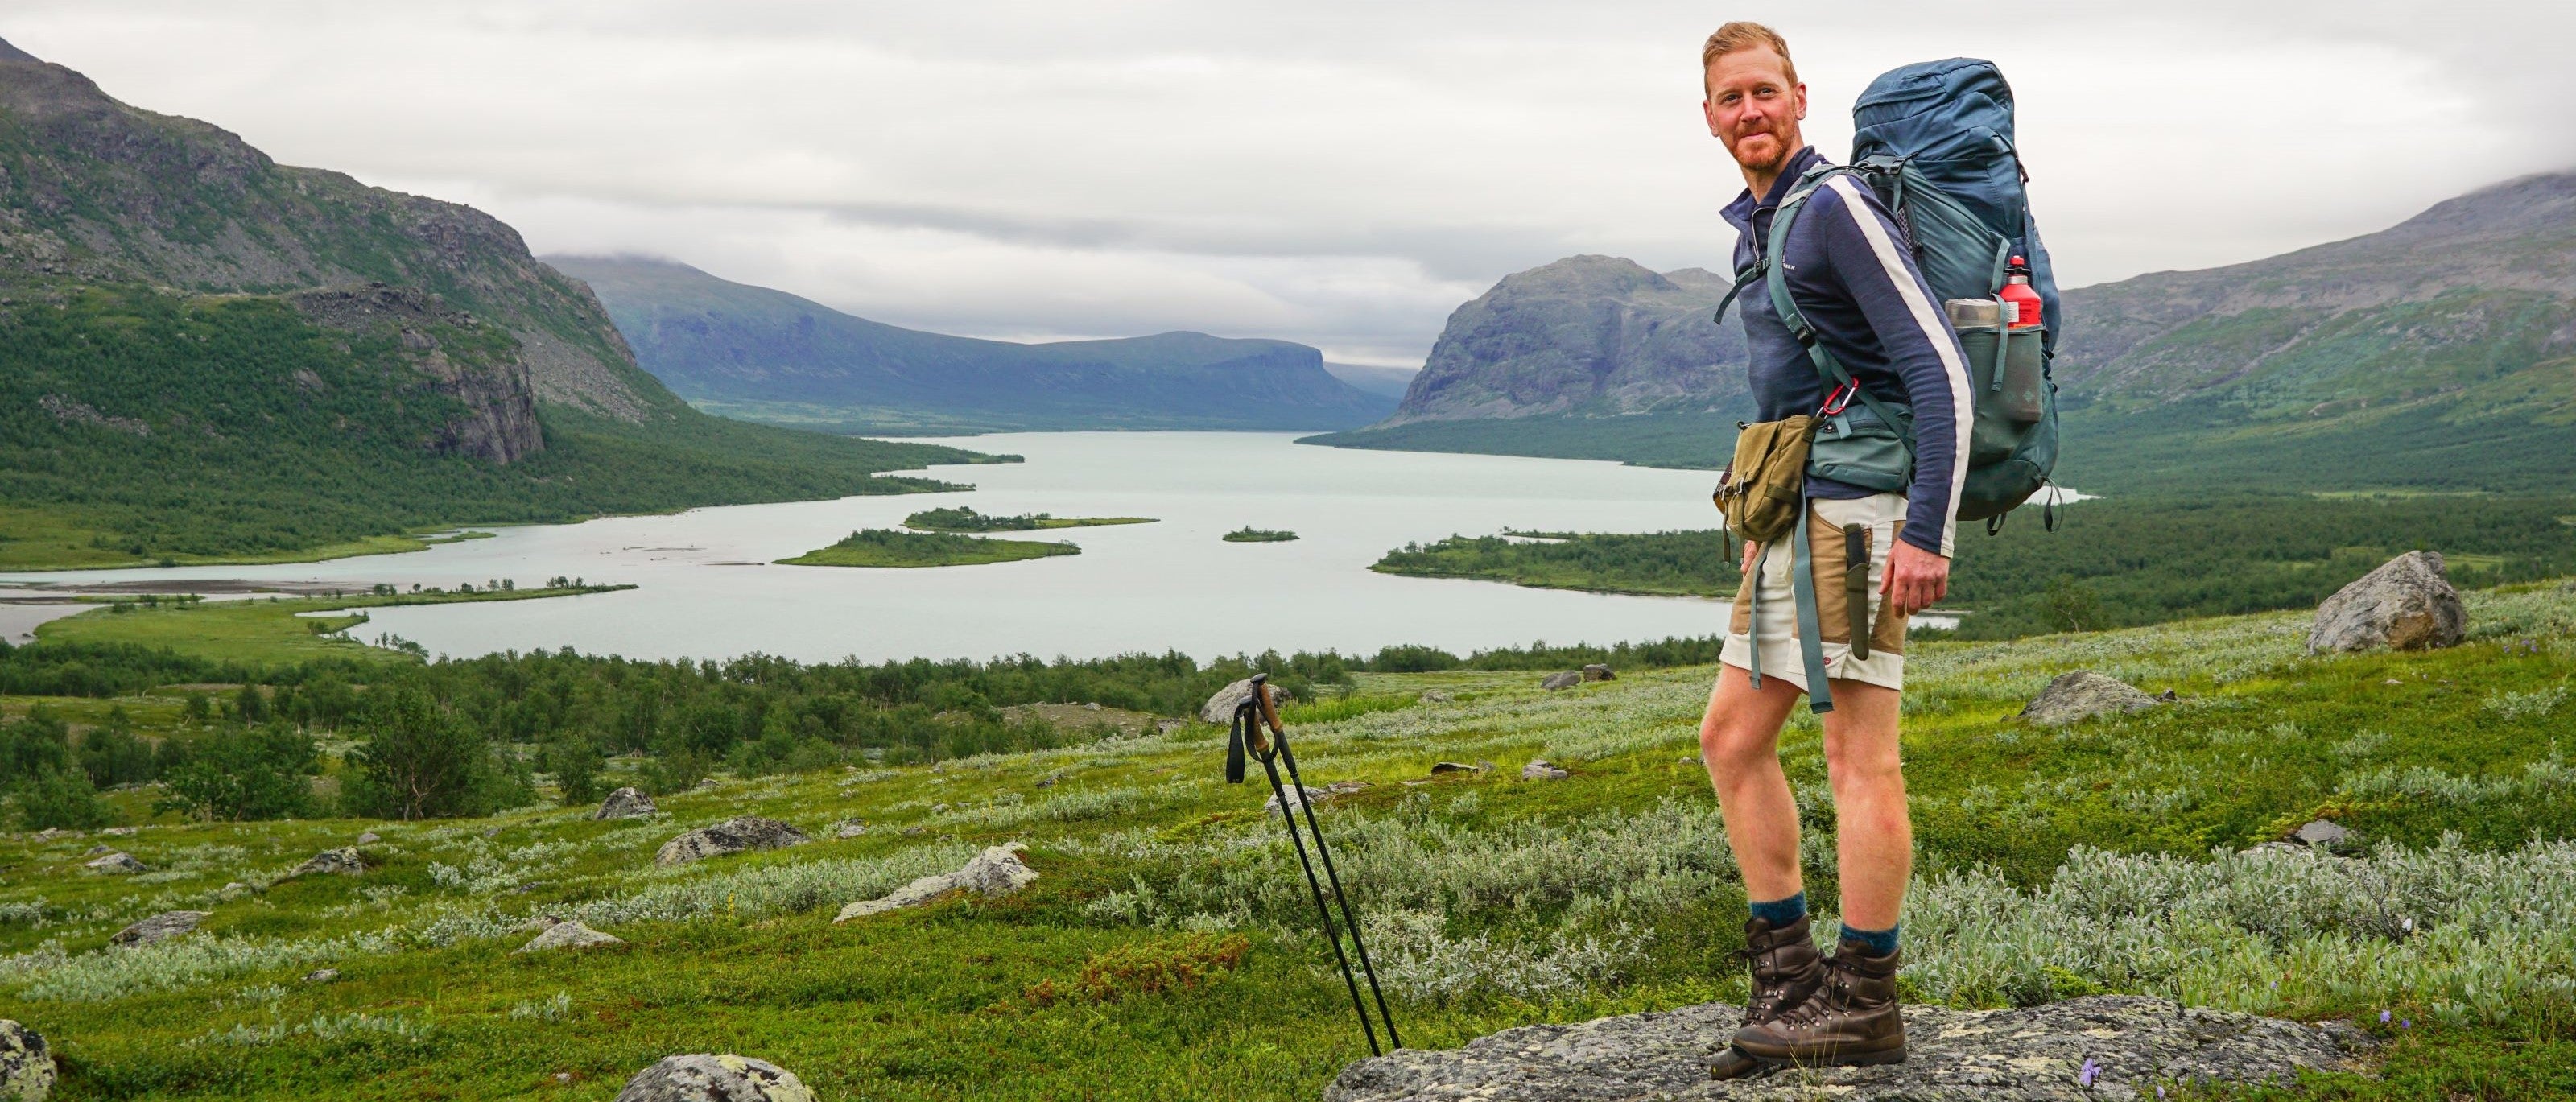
2017,291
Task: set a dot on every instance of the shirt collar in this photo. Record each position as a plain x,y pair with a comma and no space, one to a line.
1740,212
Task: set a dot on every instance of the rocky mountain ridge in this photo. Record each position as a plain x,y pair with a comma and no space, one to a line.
1586,334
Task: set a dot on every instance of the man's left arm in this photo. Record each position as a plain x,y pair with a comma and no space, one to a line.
1871,257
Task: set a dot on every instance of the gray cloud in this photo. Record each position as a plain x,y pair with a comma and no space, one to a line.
1334,172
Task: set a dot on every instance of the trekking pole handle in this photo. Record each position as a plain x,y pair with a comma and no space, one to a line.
1269,712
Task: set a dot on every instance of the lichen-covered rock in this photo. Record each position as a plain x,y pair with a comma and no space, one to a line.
569,935
1539,770
160,927
322,975
115,863
625,803
343,861
26,1064
1599,671
368,838
735,835
1565,679
2022,1055
849,828
2406,604
1220,707
2082,695
702,1077
997,871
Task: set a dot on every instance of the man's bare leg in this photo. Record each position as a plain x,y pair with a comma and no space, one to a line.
1874,836
1739,740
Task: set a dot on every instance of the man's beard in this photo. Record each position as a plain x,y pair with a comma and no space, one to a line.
1782,137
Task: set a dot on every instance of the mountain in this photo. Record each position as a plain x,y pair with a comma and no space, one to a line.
208,355
1594,335
768,355
2437,354
1389,382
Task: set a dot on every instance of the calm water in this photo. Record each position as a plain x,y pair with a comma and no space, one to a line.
1146,587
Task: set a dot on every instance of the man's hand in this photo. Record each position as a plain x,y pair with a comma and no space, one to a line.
1916,578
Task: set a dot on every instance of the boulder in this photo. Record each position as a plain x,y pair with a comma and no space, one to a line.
322,975
2322,834
26,1065
367,838
1599,672
343,861
2406,604
735,835
849,828
1220,708
1539,770
1298,795
997,871
160,927
701,1077
1563,680
625,803
2082,695
114,864
1439,767
1956,1056
569,935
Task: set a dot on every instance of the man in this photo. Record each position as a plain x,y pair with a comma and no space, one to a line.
1850,272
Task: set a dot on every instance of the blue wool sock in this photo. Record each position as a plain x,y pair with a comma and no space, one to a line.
1781,912
1879,942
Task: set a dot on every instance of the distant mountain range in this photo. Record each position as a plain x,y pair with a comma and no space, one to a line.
767,355
212,355
2439,353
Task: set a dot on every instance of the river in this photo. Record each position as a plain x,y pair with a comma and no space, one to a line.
707,589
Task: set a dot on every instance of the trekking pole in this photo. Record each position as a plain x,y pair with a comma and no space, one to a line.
1271,746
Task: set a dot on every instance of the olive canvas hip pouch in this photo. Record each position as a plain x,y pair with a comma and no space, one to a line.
1761,491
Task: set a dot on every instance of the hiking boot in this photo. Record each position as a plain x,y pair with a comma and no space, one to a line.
1786,970
1851,1018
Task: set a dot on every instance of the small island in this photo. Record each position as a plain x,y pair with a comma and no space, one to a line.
886,547
1250,534
966,519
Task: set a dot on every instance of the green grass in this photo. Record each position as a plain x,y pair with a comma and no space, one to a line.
883,547
264,631
966,519
1250,534
2040,850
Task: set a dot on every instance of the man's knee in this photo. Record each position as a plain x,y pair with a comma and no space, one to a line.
1732,743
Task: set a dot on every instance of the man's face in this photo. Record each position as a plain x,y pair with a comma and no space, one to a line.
1754,108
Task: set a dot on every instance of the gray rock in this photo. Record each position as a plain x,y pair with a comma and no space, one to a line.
2035,1053
232,891
1298,795
2082,695
367,838
1220,708
625,803
26,1064
569,935
849,828
998,871
1599,672
1539,770
322,975
97,849
2406,604
2322,833
343,861
1563,680
119,832
1439,767
114,864
736,835
701,1077
160,927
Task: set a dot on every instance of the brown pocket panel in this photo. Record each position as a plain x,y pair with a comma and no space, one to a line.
1825,566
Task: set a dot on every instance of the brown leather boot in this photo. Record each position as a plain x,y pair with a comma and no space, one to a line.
1786,970
1850,1019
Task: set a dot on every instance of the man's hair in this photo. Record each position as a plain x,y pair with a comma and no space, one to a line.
1746,35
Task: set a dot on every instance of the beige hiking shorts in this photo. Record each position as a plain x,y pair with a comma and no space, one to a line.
1777,633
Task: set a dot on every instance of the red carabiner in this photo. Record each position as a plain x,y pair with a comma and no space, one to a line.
1841,397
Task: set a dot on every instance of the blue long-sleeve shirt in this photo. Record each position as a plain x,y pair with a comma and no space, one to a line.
1853,276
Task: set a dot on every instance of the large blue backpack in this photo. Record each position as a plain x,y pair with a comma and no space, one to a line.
1935,141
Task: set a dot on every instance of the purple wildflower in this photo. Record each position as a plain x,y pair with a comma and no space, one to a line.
2383,1017
2084,1076
2405,1023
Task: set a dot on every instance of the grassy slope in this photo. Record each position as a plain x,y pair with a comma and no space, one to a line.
264,630
879,547
739,954
255,436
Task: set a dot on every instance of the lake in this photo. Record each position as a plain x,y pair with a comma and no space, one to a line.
707,589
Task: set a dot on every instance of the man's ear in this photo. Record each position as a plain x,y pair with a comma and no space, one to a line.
1802,101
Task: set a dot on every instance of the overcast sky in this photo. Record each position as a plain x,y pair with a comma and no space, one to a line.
1343,174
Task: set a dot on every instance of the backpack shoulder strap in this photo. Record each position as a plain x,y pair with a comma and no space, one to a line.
1782,303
